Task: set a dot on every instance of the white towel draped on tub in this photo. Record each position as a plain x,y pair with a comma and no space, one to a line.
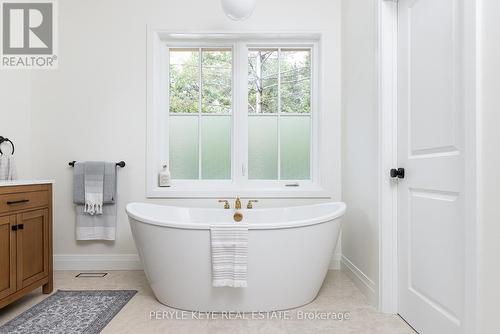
229,255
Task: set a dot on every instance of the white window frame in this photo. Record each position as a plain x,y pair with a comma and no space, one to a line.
157,117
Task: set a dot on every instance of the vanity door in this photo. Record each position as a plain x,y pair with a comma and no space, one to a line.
32,247
7,256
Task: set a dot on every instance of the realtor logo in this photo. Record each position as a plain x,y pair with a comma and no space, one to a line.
28,34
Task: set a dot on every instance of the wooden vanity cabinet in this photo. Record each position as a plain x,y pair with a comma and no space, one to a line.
25,240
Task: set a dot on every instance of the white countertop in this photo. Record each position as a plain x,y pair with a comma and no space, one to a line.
24,182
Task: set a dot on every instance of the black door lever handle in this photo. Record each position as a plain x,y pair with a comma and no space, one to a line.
399,173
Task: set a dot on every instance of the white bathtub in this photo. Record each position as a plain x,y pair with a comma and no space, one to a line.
289,250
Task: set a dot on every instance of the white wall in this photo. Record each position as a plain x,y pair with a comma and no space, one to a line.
15,117
489,168
94,106
360,144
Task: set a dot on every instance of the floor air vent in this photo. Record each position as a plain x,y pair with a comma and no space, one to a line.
91,275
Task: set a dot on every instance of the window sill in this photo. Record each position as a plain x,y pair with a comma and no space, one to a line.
231,191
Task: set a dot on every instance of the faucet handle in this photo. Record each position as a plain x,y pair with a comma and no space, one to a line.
250,205
226,203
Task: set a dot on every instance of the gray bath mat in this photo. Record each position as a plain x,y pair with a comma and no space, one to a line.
70,312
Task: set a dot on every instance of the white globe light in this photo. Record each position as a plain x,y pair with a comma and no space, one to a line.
238,9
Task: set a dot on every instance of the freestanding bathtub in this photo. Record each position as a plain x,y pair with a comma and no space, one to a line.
289,250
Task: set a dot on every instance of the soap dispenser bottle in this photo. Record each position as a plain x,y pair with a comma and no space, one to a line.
164,177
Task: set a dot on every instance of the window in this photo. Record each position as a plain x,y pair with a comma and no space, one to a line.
279,110
200,109
234,115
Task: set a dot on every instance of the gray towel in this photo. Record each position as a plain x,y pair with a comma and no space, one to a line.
94,187
109,190
93,179
96,227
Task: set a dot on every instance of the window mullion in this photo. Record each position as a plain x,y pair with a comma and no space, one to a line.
235,117
240,124
244,110
238,151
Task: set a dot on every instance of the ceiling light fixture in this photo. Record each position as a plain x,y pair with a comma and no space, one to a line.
238,10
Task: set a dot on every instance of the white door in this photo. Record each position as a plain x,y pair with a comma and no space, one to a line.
430,149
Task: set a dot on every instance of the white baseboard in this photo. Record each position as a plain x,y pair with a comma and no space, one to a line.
122,262
363,282
97,262
335,262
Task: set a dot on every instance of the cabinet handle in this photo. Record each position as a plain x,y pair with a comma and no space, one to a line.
20,226
14,227
18,202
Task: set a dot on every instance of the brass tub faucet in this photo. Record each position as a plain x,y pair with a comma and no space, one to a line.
226,203
250,203
237,204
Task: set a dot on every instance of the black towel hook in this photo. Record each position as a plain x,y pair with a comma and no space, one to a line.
3,140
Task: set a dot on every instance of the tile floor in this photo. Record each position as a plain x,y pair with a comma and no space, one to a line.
338,294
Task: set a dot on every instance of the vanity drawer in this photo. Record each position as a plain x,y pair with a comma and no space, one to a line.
22,201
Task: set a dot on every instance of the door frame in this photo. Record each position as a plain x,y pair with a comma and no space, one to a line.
386,23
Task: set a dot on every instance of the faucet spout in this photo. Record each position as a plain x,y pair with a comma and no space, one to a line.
237,205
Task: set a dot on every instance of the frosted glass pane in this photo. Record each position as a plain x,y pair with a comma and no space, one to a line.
216,147
263,81
216,80
263,147
295,70
184,80
184,147
295,133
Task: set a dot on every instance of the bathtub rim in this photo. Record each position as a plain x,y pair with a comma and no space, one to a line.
133,214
